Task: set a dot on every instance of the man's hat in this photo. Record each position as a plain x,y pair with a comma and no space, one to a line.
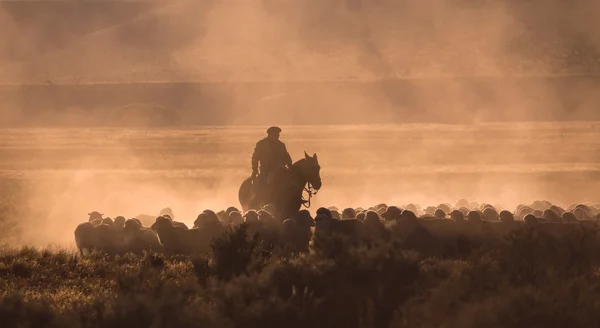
273,129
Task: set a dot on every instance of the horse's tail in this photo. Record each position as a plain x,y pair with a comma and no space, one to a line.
245,194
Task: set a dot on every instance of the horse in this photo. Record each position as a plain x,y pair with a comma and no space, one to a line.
287,187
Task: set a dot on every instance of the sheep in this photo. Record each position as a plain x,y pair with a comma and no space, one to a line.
336,215
551,216
176,240
380,206
84,238
167,211
490,214
531,220
412,207
348,213
136,238
474,217
373,227
582,213
461,203
430,210
439,214
95,215
457,216
392,213
506,216
445,207
96,222
303,233
361,216
235,218
119,223
231,209
568,217
106,239
325,224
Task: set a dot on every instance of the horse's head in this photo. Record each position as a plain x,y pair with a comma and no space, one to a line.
311,170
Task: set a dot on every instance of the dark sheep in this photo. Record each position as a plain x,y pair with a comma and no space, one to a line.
439,214
506,216
176,240
457,216
348,213
380,206
568,217
408,215
294,235
84,238
430,210
551,216
445,207
582,213
373,227
119,223
235,218
523,211
222,215
325,224
108,221
557,209
180,225
231,209
336,215
531,219
251,216
392,213
136,239
474,216
462,203
168,211
412,207
490,214
96,222
95,215
361,216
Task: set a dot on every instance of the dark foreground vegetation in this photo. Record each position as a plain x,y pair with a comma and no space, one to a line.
524,279
520,282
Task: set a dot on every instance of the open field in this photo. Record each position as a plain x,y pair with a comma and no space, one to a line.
70,172
51,178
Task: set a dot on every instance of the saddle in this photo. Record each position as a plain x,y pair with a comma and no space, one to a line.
264,182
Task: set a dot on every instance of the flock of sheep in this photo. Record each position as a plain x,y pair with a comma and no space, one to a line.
410,223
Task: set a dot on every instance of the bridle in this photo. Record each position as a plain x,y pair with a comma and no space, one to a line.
311,192
308,188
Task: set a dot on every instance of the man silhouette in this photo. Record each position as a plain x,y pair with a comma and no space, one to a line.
272,156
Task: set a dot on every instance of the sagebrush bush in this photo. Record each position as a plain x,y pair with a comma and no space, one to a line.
525,280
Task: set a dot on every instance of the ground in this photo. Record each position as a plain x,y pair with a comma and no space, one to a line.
50,179
128,172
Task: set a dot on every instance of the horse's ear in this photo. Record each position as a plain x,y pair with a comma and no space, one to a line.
306,155
315,156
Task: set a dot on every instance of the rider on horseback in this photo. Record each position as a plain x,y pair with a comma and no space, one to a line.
272,155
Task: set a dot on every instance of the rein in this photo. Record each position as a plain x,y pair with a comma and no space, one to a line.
311,192
308,188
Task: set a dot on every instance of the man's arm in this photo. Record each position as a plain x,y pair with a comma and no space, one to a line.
255,155
287,158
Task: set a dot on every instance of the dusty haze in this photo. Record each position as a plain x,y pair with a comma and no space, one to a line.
331,72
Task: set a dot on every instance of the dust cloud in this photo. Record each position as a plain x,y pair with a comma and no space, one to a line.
339,72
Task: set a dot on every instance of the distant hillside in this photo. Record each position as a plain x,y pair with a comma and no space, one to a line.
301,40
35,27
